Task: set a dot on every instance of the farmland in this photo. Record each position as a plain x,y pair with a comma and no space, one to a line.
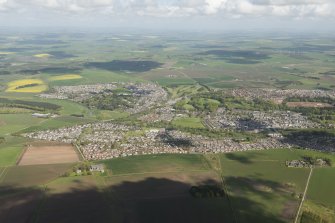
163,115
256,180
42,153
27,85
65,77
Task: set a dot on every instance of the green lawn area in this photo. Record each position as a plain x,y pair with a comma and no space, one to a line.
8,156
106,114
192,122
262,188
156,163
321,187
10,150
11,123
58,122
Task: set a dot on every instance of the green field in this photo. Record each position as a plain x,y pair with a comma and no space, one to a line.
260,187
322,180
156,163
194,69
191,122
257,179
12,123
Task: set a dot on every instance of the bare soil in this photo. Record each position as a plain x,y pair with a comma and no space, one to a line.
48,153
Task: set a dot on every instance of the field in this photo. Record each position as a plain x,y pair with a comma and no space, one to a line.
321,181
188,122
32,175
308,104
39,184
8,156
256,179
146,188
48,153
42,55
27,86
65,77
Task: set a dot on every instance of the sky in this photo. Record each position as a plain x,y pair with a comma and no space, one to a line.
171,14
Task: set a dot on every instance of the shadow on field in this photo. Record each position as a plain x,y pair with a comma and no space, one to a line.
239,158
321,140
149,200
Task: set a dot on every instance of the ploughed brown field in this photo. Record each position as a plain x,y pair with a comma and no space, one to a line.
48,153
309,104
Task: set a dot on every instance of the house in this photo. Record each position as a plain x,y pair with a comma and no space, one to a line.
40,115
97,168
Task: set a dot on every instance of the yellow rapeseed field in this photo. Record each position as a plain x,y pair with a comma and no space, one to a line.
65,77
36,86
42,55
6,53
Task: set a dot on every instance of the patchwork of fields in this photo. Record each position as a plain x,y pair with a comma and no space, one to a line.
257,181
40,181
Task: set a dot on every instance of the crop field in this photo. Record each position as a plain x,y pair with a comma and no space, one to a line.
16,122
156,188
156,163
65,77
48,153
9,155
255,180
42,55
223,63
27,86
322,180
32,175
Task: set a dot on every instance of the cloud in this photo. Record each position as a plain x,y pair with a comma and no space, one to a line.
175,8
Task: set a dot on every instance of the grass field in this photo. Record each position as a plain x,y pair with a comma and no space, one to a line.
58,122
322,180
9,155
261,186
156,163
192,122
65,77
17,122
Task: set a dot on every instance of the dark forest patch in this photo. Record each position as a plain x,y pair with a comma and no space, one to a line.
238,56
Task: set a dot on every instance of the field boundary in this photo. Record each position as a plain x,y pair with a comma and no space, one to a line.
303,196
3,174
19,158
82,157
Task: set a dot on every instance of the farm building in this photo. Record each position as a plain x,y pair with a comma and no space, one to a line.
97,168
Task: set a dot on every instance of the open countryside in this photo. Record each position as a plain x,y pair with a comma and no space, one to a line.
146,125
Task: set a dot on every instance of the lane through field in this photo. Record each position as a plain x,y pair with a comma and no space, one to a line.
304,195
